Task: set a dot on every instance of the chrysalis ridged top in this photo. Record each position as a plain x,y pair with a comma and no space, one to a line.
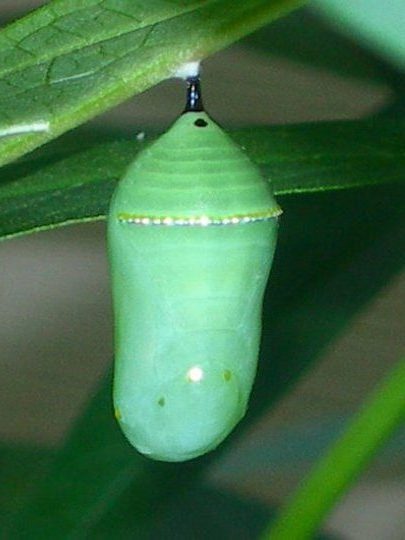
191,231
225,187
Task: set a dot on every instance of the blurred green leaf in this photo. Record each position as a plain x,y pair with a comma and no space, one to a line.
336,250
307,38
20,468
72,60
378,25
49,191
382,413
200,513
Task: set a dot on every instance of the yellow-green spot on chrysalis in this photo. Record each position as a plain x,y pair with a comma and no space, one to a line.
161,402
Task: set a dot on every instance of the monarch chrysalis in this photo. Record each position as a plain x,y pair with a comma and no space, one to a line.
192,231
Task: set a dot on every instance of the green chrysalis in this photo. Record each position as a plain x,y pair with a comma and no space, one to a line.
192,231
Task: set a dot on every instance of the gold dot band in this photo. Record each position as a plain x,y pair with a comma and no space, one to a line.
198,221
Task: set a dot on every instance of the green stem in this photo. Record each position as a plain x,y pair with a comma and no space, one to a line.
382,413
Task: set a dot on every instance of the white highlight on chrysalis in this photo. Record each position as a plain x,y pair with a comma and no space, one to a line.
195,374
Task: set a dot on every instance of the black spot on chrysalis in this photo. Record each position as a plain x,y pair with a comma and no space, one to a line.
200,122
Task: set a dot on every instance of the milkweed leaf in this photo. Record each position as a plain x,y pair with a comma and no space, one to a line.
50,190
69,61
